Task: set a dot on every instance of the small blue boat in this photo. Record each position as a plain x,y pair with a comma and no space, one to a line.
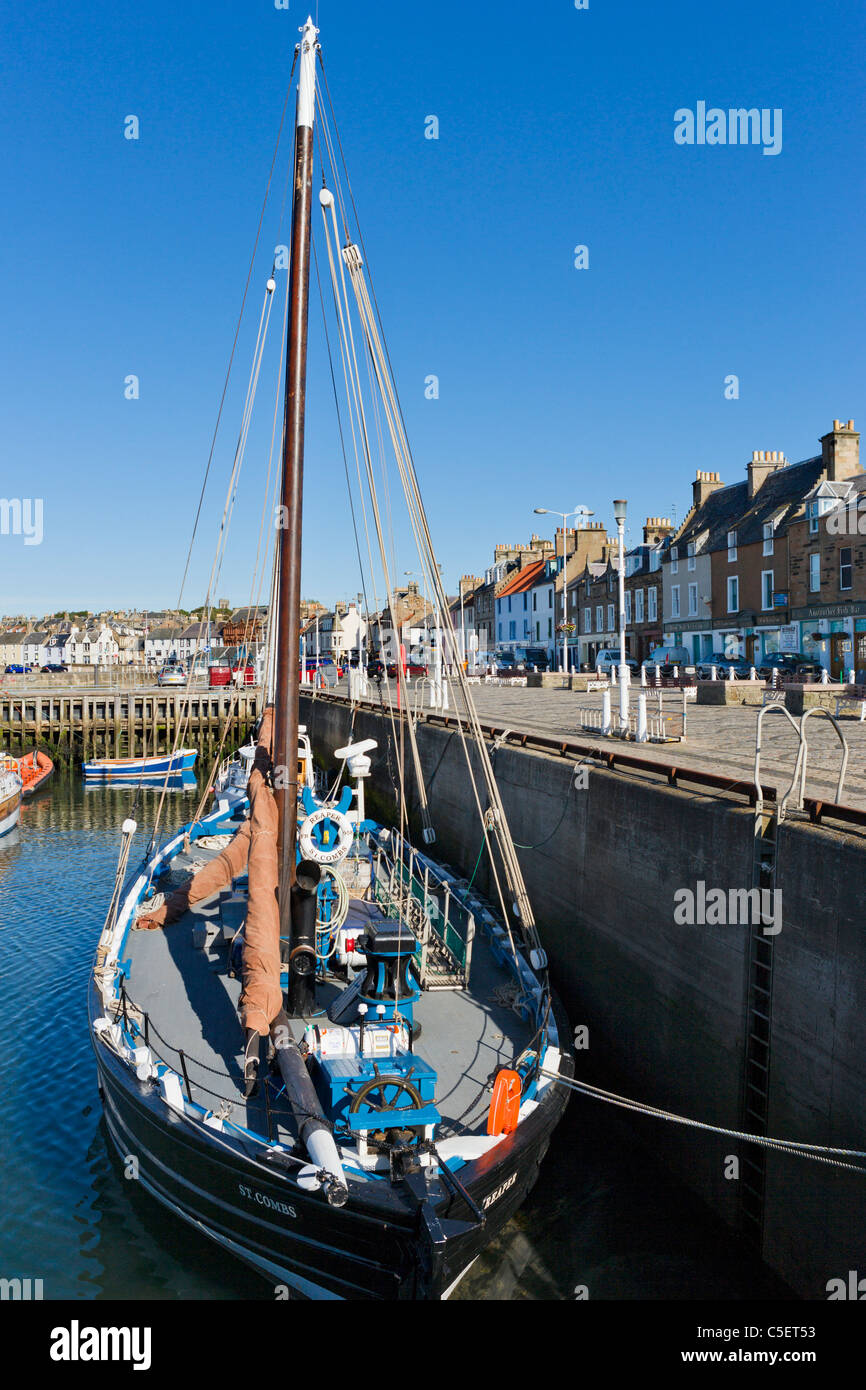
142,769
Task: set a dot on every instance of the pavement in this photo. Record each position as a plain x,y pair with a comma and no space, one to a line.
719,739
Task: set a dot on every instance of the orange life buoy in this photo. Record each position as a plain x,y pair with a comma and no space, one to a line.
505,1104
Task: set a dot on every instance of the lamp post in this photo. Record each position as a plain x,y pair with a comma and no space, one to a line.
551,511
619,511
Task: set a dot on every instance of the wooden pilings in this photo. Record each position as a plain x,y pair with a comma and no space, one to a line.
124,723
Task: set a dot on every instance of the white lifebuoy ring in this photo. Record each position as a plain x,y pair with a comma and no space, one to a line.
345,835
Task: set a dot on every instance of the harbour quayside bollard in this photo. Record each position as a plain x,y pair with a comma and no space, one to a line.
775,678
849,676
605,712
825,676
753,675
731,674
643,677
641,734
714,675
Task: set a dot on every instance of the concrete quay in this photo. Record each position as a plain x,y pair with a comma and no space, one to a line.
720,739
724,1022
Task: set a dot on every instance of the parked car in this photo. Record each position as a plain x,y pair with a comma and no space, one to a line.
375,668
666,658
608,657
172,675
413,668
790,664
703,668
15,668
509,663
538,657
54,666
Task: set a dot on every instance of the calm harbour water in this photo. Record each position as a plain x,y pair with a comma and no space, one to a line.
603,1215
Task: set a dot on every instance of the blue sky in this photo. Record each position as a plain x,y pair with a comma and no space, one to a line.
557,386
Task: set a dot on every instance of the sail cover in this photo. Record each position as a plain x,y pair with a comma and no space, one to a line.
262,995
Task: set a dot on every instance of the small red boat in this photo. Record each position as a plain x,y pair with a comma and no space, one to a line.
34,769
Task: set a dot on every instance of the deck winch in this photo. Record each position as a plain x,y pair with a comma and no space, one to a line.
389,984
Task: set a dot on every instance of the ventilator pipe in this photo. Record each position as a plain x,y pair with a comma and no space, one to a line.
313,1128
302,955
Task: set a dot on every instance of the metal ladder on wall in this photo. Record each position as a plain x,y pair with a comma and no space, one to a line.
759,996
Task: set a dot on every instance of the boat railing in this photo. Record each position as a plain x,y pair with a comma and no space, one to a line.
407,887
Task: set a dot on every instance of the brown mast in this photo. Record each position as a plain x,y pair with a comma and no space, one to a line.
289,604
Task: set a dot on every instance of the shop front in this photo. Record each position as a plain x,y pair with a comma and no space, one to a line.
835,635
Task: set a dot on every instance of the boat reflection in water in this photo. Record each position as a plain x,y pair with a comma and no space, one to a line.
181,782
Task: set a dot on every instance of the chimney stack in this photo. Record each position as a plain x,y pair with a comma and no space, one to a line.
656,528
840,452
762,464
703,486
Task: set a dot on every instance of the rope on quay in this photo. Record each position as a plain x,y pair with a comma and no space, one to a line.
816,1152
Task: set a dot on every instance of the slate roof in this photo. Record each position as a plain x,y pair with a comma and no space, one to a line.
729,509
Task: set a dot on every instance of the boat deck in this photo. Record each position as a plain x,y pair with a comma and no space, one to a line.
191,1002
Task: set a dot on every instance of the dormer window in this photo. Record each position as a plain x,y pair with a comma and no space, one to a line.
691,554
812,514
675,561
769,531
732,546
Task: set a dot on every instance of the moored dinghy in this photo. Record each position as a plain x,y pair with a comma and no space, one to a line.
34,769
154,768
328,1053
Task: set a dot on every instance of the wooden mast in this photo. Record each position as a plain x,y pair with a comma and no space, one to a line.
289,587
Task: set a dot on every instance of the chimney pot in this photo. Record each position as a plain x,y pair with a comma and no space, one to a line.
835,424
850,424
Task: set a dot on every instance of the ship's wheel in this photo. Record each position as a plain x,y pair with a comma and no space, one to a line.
388,1096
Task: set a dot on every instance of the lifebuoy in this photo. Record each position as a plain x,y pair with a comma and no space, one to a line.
505,1104
310,847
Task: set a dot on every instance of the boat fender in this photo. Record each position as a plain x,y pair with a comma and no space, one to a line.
505,1103
311,849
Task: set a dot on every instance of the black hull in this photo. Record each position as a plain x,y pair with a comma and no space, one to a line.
379,1246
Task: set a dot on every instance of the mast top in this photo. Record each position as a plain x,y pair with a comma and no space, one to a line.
307,79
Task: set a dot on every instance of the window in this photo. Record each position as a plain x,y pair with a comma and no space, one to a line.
655,560
845,568
675,561
509,603
550,627
692,561
733,594
534,600
550,598
599,619
675,601
538,632
732,546
693,600
525,602
766,589
628,605
812,514
587,620
586,590
814,572
611,618
652,605
500,632
512,630
768,537
638,605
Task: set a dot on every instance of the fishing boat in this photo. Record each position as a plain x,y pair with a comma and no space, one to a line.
10,794
153,769
327,1051
34,769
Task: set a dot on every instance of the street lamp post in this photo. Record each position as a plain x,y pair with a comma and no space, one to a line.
619,511
551,511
